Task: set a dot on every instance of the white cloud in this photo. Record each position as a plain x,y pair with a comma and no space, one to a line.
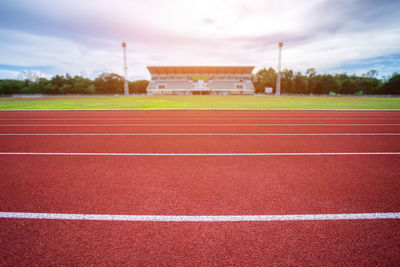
84,37
8,74
62,55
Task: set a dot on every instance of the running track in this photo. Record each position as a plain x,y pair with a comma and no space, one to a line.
175,164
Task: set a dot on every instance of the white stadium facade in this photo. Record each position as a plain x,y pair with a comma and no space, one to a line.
200,80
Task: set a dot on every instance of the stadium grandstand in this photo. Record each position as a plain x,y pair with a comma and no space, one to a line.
200,80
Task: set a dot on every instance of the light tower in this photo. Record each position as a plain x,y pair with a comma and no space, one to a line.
126,87
278,77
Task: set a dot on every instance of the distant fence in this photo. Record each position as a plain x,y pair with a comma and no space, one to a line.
107,95
64,95
27,95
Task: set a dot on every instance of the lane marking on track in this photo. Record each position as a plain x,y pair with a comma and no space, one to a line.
206,109
199,134
198,124
197,154
201,218
195,118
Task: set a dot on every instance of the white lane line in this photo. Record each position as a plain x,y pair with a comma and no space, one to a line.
198,124
191,118
201,218
197,154
253,110
199,134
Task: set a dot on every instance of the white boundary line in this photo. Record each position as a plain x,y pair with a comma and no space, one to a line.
197,154
197,124
194,118
199,134
201,218
199,109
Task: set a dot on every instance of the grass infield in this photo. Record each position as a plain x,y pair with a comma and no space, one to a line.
189,102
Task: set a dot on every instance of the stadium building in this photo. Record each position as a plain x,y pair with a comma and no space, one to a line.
199,80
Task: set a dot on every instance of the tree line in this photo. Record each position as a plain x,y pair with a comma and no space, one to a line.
291,83
106,83
313,83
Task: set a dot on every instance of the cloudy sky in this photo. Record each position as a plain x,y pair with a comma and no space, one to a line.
84,37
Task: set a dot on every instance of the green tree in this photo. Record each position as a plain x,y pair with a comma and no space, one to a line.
109,83
36,87
8,87
50,89
392,86
311,80
300,84
138,87
287,81
66,89
82,85
370,74
264,78
366,85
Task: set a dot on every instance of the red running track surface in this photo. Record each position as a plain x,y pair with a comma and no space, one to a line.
206,185
350,243
190,185
200,144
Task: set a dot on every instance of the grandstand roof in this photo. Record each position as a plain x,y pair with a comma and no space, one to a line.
200,69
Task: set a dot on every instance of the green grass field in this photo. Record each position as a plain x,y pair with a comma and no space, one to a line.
217,102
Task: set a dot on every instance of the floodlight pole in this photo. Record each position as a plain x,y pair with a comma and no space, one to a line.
278,77
126,86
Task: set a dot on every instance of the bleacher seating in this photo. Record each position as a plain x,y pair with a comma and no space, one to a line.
200,80
222,85
178,84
